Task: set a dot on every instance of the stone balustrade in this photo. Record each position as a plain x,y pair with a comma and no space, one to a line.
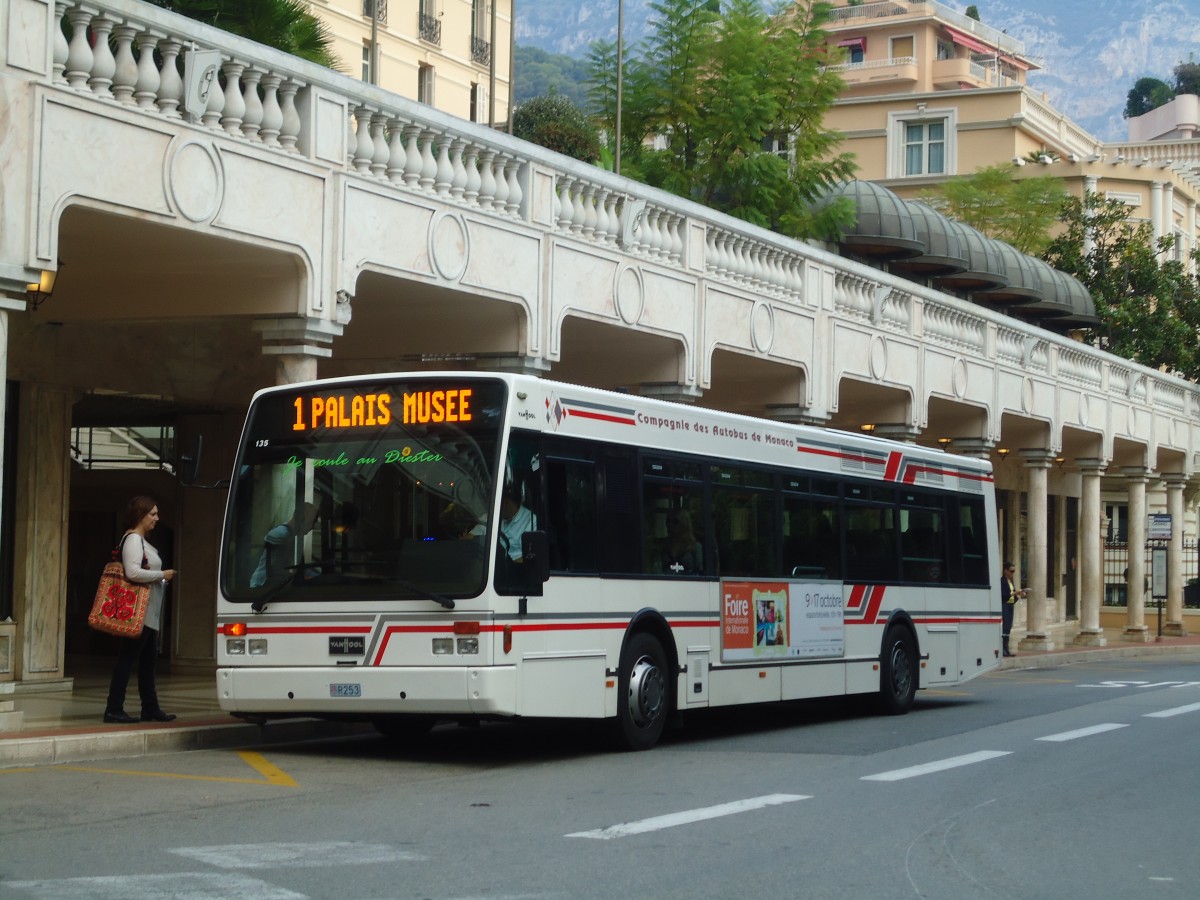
133,56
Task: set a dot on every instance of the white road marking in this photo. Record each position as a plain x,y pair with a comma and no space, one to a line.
279,856
938,766
1083,732
181,886
1177,711
657,823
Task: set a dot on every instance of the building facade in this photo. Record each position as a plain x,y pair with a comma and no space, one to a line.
931,93
455,55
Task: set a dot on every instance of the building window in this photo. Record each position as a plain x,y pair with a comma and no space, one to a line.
366,61
430,24
902,48
478,102
481,47
425,84
922,143
925,148
856,49
380,9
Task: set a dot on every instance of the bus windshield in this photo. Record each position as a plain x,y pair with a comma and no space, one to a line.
364,491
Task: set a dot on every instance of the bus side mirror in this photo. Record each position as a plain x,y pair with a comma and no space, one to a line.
535,568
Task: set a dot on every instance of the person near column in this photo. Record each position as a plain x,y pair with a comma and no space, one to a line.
1009,595
142,564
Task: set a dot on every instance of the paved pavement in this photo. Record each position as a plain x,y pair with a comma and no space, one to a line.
65,725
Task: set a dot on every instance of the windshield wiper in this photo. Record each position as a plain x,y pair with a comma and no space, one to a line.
270,594
436,598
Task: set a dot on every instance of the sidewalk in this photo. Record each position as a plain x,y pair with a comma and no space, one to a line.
58,726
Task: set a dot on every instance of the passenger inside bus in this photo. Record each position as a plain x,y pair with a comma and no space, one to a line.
277,556
459,524
515,520
682,554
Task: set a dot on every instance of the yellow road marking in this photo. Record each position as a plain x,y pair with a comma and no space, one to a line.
271,774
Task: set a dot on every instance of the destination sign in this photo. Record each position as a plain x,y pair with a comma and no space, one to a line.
367,412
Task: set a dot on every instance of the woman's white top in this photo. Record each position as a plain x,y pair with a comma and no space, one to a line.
132,548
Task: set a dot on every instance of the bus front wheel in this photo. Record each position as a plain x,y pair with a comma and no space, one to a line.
644,694
898,671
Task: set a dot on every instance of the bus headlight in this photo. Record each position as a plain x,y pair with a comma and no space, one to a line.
468,645
235,646
258,646
443,646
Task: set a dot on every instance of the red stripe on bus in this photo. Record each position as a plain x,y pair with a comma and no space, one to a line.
303,629
547,626
893,466
603,417
838,454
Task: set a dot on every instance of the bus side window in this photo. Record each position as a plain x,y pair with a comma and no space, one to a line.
571,515
618,524
673,530
975,568
811,547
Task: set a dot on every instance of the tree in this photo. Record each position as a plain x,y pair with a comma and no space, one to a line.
1019,211
556,123
723,104
538,72
1187,78
1145,95
286,25
1148,303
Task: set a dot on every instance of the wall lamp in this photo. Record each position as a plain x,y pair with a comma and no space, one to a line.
1002,452
867,428
945,442
39,292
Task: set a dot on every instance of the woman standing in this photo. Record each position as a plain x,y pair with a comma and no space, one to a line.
143,565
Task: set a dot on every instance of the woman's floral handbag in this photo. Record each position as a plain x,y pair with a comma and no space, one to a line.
120,604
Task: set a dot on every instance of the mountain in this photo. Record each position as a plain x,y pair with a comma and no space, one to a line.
1091,51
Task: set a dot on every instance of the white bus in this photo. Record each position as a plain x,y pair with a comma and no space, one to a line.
418,546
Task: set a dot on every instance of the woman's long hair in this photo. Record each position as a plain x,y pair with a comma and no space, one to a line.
137,508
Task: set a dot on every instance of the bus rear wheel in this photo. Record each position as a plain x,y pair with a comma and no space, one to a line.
644,694
898,673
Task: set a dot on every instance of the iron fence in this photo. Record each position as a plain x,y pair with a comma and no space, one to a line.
1116,561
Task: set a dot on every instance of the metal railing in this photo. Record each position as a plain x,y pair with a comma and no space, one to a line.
1116,563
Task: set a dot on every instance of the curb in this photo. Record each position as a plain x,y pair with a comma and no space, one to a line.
218,734
1072,657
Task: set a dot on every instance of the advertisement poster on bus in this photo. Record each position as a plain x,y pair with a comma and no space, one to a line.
781,620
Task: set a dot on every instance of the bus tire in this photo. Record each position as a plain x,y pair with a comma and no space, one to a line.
898,673
404,728
644,698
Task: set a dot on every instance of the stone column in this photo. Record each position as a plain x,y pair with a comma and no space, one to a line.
1156,211
42,505
1174,626
1090,185
297,344
1038,463
1091,556
1190,223
10,718
1135,573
